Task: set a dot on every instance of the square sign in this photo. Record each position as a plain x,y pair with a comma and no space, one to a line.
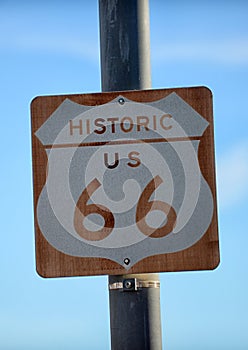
124,182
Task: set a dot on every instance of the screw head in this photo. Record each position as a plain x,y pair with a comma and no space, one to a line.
121,101
126,261
128,284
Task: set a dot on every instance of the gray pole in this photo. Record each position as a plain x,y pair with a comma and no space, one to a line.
125,65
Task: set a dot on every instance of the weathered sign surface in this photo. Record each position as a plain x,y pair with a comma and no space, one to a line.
124,182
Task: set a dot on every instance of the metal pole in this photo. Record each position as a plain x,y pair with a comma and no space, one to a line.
125,65
125,44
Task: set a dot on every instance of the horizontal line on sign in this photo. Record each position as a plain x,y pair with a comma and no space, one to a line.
122,142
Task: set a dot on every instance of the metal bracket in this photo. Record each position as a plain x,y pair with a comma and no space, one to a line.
132,285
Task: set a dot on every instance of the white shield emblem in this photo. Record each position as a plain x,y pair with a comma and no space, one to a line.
123,179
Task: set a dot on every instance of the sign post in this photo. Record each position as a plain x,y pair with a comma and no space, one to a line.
134,300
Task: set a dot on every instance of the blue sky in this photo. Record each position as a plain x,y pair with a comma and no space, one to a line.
52,47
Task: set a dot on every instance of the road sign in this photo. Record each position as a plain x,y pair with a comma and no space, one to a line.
124,182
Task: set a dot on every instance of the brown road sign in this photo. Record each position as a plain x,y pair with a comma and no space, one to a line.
124,182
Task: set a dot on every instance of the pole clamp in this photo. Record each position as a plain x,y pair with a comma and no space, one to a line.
132,285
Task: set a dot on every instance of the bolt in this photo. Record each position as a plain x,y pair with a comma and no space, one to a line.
121,101
126,261
128,284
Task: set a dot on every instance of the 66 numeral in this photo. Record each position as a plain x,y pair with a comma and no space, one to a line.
144,206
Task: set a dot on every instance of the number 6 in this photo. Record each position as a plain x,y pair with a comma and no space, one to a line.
144,207
83,209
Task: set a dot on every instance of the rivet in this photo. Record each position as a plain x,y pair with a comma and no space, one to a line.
126,261
121,101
